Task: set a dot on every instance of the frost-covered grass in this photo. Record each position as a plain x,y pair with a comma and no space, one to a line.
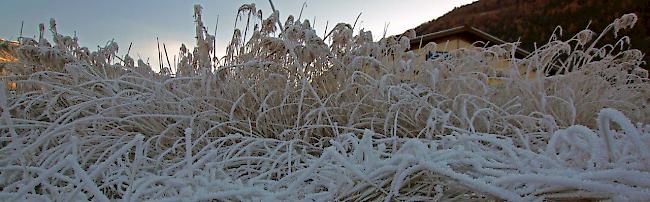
286,116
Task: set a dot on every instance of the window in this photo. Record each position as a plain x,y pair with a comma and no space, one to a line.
432,55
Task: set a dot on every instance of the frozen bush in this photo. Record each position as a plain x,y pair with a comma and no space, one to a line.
288,115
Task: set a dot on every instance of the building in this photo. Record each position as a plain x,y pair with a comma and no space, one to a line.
466,37
460,37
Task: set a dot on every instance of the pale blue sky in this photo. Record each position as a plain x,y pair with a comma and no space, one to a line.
141,21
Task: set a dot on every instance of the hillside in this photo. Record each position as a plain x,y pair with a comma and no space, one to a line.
533,22
7,50
7,54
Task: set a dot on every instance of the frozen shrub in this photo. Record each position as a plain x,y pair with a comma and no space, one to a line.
288,115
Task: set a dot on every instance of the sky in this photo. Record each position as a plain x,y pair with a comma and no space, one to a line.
97,22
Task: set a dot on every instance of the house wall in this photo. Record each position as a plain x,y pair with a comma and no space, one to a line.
447,44
499,68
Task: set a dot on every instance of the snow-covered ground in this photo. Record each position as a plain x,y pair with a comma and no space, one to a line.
288,115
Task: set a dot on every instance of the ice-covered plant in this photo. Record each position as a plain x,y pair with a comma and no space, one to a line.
291,115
